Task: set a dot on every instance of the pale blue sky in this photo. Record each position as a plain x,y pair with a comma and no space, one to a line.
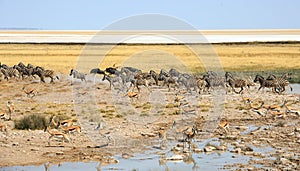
96,14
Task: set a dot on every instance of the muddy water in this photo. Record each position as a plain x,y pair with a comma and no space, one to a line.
155,159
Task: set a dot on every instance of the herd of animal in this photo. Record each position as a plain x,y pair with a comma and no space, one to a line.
129,78
172,78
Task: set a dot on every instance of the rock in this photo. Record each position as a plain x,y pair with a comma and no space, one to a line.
198,150
249,153
237,150
59,153
176,149
297,129
179,145
222,148
284,161
15,144
175,157
148,134
126,155
247,148
35,149
209,148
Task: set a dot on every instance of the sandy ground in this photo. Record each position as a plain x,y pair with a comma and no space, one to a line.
130,126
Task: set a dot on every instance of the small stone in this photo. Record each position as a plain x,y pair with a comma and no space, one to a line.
209,148
247,148
59,153
15,144
35,149
176,149
249,153
222,148
198,150
237,150
175,157
284,161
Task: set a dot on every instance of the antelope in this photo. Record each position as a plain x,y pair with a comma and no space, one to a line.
11,108
30,91
188,134
132,95
245,99
65,123
56,134
3,128
277,114
224,125
275,107
257,109
71,129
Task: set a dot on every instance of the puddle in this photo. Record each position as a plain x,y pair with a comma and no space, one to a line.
155,159
253,128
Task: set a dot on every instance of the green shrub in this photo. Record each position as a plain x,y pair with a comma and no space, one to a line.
32,121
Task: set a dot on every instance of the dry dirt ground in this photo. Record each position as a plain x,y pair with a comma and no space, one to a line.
114,124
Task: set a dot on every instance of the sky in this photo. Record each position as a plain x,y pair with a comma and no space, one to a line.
201,14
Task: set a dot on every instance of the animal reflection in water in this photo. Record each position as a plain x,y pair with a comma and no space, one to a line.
187,158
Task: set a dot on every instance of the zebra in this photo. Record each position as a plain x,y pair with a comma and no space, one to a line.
187,82
154,75
281,82
115,79
214,81
9,72
138,82
236,83
163,72
174,73
130,69
97,71
167,81
42,73
77,75
265,83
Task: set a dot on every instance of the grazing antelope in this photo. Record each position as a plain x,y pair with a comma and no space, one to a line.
188,134
31,92
11,108
56,134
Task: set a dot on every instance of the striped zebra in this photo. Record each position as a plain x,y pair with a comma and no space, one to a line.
39,71
281,82
9,72
235,82
265,83
168,81
154,75
213,81
174,73
77,75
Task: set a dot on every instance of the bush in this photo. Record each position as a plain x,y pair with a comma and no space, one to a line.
32,121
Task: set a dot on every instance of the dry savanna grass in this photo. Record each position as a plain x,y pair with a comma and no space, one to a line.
232,57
